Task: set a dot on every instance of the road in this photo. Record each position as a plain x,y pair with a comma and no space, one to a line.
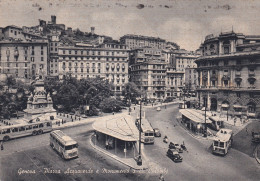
198,163
34,154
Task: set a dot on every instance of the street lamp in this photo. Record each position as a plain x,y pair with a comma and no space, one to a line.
139,159
205,102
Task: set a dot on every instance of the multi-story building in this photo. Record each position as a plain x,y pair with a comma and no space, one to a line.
154,71
227,71
184,59
139,41
191,80
22,59
109,61
53,63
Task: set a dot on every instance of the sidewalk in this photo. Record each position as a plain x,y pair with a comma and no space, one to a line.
257,153
126,161
83,121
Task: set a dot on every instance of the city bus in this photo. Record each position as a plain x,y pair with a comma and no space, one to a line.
63,144
215,123
147,132
25,129
222,141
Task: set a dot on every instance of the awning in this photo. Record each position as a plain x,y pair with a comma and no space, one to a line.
224,105
122,128
194,115
237,106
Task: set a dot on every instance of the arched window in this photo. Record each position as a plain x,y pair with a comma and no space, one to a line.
251,107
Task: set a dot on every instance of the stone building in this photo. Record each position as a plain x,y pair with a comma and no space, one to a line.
139,41
22,59
191,80
228,74
108,61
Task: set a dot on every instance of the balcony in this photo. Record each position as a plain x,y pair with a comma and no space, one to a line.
251,74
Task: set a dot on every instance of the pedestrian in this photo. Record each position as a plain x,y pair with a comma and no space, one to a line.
165,106
161,178
246,131
183,143
106,144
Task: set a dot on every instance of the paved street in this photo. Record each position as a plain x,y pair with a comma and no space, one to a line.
199,163
34,153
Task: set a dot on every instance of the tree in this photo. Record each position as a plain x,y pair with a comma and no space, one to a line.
131,92
109,105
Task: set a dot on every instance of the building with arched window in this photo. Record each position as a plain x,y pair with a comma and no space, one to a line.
227,74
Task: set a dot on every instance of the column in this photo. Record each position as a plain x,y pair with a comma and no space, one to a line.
201,78
208,79
231,78
220,48
219,79
209,102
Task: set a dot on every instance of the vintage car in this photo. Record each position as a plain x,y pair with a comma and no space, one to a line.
177,147
157,132
174,155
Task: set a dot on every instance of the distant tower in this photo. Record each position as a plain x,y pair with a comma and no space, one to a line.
53,19
92,30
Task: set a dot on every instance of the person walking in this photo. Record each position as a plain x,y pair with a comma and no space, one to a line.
161,178
2,146
246,131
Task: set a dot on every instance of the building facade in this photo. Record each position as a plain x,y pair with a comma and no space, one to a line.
228,74
139,41
109,61
22,59
191,80
153,72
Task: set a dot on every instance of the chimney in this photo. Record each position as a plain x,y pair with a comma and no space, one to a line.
53,19
92,30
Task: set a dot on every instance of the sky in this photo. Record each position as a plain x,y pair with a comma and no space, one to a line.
185,22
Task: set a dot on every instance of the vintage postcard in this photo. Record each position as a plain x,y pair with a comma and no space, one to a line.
127,90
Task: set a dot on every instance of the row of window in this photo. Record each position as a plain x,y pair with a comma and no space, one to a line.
82,52
93,58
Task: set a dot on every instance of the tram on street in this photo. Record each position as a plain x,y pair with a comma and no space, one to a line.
222,141
25,129
147,135
63,144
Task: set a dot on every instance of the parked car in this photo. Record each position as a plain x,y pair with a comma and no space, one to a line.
158,109
177,147
157,132
174,155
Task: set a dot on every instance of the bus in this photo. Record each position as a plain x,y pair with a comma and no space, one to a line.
25,129
63,144
222,141
147,132
216,124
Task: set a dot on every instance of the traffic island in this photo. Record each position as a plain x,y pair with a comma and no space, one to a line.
117,138
131,162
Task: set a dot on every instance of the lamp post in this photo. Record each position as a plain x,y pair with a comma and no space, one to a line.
139,159
205,133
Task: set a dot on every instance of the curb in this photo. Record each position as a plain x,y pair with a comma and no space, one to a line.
81,122
255,154
114,156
